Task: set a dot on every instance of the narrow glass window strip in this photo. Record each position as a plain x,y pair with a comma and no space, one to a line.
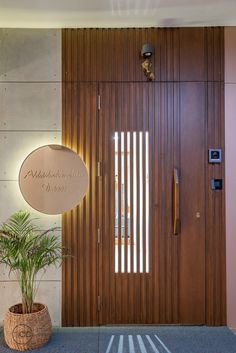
122,205
128,199
141,202
147,201
131,206
125,203
134,202
120,202
144,198
116,204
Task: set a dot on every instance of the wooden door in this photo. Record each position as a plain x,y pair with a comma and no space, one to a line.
183,112
148,274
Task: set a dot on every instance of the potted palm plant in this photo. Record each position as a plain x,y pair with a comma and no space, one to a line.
27,252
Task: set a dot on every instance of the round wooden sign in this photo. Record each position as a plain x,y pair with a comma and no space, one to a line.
53,179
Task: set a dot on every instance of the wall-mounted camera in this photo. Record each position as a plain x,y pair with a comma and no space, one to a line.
147,50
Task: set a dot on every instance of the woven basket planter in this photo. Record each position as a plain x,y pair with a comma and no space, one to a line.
27,331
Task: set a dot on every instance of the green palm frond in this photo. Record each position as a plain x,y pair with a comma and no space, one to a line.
26,250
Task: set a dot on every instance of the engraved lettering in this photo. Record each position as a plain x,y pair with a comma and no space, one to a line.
51,174
54,188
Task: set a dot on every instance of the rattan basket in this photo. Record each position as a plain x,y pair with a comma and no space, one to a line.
27,331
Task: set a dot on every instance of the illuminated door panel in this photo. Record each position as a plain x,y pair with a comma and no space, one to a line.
131,243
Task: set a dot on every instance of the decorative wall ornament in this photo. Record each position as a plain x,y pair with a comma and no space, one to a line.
146,65
53,179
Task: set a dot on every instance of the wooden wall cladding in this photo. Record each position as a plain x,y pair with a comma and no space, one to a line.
182,54
91,56
79,273
215,211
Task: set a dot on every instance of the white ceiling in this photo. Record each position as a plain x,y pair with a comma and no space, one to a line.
116,13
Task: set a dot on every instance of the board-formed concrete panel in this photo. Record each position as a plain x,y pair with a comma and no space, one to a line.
15,147
52,274
12,201
30,116
30,106
10,295
30,55
49,293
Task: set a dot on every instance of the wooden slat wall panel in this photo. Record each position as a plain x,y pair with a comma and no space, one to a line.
114,55
142,307
214,42
192,239
192,54
185,54
166,286
215,211
130,301
111,55
79,228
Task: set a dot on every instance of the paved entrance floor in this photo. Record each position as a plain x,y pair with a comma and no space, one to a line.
147,339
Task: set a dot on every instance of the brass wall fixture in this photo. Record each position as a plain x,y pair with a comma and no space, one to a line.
146,53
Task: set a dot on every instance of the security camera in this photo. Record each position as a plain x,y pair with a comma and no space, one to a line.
147,50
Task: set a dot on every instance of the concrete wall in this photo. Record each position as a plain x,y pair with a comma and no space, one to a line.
230,161
30,116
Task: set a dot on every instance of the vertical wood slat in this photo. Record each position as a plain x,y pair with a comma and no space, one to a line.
173,148
131,292
64,233
176,163
112,200
82,214
145,297
153,283
99,203
124,129
106,205
161,137
155,143
138,215
74,215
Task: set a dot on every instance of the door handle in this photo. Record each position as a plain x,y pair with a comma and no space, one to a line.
176,203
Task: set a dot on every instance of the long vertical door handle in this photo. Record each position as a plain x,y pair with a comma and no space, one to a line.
176,214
